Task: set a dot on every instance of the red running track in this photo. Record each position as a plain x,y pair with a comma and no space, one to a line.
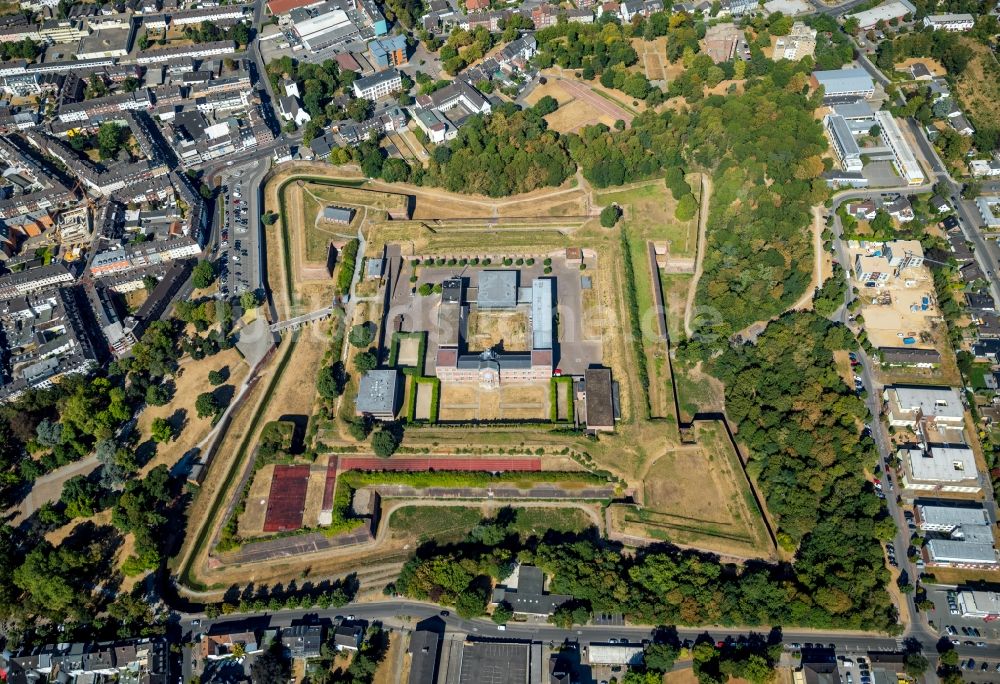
422,464
286,500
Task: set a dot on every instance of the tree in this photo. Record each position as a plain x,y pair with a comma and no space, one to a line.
80,496
271,666
217,377
916,664
686,208
111,137
269,218
365,361
610,215
875,131
206,405
660,657
248,300
425,290
881,225
384,443
162,430
362,335
502,613
359,428
328,383
203,274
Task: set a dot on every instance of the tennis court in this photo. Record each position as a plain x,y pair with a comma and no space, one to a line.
287,499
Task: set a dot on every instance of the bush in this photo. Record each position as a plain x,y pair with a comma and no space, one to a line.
425,290
686,208
610,215
348,257
365,361
384,443
362,335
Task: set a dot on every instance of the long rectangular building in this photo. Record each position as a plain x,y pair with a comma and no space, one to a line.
843,143
903,159
840,83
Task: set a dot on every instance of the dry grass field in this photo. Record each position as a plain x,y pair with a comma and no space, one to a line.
251,523
462,402
573,114
487,329
698,496
191,382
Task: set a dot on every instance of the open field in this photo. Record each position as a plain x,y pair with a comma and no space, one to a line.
698,496
652,59
649,212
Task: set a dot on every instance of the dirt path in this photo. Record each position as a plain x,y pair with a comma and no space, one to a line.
706,193
817,279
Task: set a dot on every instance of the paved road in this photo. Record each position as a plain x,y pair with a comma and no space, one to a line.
49,487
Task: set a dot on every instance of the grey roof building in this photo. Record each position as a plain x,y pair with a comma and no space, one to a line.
347,637
494,662
497,290
304,641
845,82
425,647
342,215
528,593
378,394
541,313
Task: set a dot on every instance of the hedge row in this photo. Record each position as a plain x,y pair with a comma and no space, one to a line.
411,408
348,257
554,398
421,349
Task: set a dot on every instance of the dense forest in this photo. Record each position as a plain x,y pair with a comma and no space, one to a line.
507,152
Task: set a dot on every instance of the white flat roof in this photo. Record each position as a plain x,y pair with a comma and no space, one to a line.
912,173
884,12
943,464
933,402
980,602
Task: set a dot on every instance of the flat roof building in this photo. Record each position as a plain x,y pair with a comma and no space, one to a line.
903,159
887,11
979,604
843,142
541,313
492,662
907,405
599,399
614,654
497,290
838,83
940,468
378,85
378,394
939,516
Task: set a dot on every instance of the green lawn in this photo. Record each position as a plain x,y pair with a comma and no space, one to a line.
977,375
649,215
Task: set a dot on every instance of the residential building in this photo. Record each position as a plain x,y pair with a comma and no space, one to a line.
800,42
220,646
34,280
909,357
950,22
872,271
303,641
347,637
378,85
981,168
524,592
904,253
942,469
989,210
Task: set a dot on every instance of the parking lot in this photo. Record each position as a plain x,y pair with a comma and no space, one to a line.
237,248
945,614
